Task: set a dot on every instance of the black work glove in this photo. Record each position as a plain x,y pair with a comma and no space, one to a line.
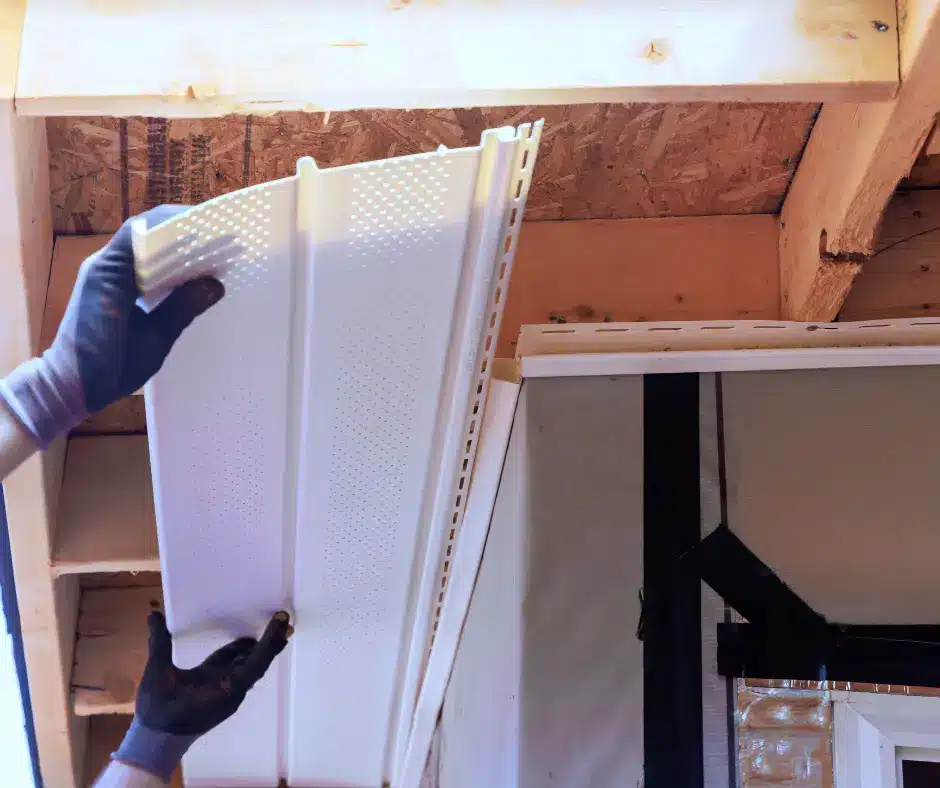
175,707
106,347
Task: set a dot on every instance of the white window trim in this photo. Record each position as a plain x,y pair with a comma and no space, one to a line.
872,733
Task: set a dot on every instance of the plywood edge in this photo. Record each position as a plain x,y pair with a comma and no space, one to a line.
111,648
344,58
106,520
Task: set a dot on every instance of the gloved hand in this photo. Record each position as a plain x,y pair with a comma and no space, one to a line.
106,347
175,707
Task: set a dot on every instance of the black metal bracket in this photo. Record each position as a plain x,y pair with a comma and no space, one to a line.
784,638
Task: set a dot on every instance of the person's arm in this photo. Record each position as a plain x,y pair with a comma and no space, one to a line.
106,348
175,707
120,775
15,444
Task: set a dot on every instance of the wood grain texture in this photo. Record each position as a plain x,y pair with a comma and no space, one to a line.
111,649
697,268
31,493
856,155
902,278
87,57
604,161
106,515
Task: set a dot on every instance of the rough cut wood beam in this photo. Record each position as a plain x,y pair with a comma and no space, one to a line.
179,58
855,157
902,278
48,608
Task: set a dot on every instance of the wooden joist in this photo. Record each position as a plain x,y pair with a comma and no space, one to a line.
902,278
106,519
48,607
856,155
694,268
185,59
111,649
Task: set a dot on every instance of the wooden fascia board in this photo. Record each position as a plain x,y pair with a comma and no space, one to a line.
179,59
855,157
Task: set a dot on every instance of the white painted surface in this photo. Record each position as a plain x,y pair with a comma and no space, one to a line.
17,767
465,560
481,713
871,733
297,436
833,482
655,363
547,686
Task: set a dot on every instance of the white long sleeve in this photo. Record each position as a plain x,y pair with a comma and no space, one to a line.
120,775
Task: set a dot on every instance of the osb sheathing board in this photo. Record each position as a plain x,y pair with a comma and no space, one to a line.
596,160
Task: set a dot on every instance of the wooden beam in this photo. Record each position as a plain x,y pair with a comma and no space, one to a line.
932,146
856,155
87,57
106,516
112,648
48,608
902,278
695,268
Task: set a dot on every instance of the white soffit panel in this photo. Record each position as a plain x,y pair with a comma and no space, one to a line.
313,434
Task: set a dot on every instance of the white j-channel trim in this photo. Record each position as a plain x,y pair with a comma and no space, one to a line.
506,163
497,423
581,364
871,732
723,346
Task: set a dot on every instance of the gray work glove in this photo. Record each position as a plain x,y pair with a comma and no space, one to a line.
175,707
107,347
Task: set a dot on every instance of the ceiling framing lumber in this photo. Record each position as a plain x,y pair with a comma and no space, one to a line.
48,607
855,157
179,59
902,278
689,268
112,648
106,520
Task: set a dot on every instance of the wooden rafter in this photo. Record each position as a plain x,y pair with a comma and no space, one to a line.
180,58
855,157
48,608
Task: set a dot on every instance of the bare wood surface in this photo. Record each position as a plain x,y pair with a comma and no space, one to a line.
856,155
111,650
696,268
106,517
88,57
47,609
902,278
596,161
